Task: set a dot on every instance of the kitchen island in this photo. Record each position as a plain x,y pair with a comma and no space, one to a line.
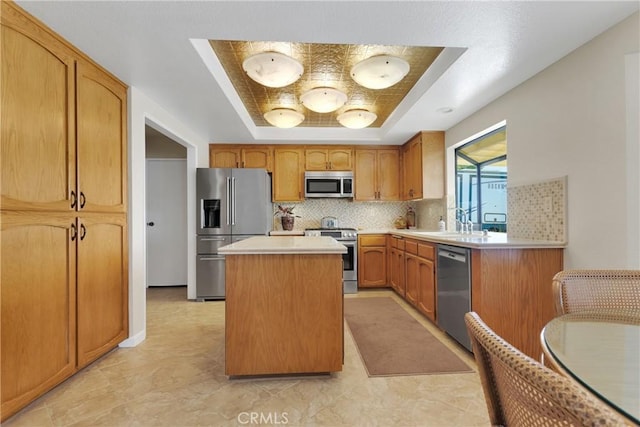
283,309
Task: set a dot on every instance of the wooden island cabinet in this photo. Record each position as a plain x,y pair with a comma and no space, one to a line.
64,289
284,306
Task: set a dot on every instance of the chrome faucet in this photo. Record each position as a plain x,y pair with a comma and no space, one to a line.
466,225
463,222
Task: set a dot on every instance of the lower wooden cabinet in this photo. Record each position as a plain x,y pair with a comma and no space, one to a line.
397,266
420,276
372,261
37,307
102,287
412,280
64,298
426,300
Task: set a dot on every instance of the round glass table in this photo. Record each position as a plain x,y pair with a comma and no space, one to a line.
601,350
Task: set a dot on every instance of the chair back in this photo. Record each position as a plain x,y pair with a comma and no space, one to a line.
583,290
519,391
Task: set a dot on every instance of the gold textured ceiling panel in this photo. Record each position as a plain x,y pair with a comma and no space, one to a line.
325,65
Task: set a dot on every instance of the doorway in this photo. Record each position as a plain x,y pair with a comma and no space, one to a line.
166,210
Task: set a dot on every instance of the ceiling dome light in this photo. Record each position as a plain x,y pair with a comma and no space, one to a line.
273,69
323,99
357,119
380,72
284,117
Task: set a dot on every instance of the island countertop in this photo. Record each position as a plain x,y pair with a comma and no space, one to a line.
284,245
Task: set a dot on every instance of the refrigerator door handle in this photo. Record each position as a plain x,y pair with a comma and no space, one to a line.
233,204
228,200
211,258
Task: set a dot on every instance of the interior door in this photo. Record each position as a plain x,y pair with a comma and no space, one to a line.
166,222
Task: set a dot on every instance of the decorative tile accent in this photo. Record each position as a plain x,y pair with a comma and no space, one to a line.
538,211
363,215
429,213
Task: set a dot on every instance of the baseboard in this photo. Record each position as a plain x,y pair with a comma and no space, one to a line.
134,340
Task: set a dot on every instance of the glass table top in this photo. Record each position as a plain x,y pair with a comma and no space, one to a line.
602,351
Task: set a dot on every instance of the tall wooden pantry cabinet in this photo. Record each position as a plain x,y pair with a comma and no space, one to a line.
64,290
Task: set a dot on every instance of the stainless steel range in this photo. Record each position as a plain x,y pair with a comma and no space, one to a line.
349,238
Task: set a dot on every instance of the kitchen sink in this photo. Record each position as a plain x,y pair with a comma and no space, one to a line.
452,235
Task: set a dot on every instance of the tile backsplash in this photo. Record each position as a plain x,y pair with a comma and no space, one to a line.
538,211
364,215
535,211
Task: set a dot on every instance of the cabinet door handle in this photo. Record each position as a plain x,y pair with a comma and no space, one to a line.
74,232
83,232
74,200
83,200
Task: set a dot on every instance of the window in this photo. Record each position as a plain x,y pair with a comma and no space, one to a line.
481,180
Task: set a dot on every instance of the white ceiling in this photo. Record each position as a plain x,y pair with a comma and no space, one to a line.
153,46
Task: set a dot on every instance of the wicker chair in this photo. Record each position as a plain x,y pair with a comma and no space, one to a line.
521,392
580,290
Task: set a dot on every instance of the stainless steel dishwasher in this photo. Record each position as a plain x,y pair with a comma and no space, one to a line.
454,291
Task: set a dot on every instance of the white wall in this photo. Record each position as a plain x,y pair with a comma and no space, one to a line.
571,119
142,112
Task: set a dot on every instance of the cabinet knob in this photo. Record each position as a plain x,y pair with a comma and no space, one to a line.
151,224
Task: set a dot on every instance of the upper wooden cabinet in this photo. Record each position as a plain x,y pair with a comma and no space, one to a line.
288,174
423,166
37,115
101,140
237,156
322,158
63,125
377,174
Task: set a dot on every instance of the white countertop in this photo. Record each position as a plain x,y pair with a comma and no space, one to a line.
284,245
475,240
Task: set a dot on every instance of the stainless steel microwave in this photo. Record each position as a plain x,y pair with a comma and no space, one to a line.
328,184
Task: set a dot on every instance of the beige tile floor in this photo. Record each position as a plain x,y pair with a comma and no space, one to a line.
176,378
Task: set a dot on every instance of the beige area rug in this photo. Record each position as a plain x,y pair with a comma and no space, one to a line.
391,342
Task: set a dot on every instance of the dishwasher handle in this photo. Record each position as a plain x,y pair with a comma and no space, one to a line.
452,255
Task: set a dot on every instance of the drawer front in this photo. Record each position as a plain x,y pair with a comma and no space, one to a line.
426,251
398,242
210,244
372,240
411,246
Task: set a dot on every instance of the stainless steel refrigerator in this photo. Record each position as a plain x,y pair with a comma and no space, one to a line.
233,204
